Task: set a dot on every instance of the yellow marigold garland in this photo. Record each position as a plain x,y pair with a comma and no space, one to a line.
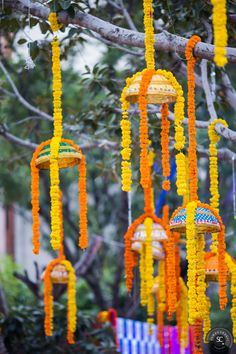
125,142
55,194
200,283
214,188
181,179
207,320
149,270
71,314
219,19
55,142
143,283
191,257
183,305
149,33
232,269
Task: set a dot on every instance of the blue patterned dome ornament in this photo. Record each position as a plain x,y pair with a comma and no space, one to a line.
205,221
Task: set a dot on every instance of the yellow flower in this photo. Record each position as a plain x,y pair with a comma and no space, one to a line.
56,222
191,257
219,19
214,188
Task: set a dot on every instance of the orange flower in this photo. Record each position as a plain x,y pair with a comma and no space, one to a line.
35,197
197,335
160,321
191,60
143,129
165,126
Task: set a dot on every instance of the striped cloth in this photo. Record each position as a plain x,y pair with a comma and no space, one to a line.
134,338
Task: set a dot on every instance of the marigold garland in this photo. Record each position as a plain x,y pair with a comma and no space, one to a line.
192,155
183,305
143,130
219,19
232,269
197,334
221,257
55,142
48,299
35,198
206,320
126,127
214,188
143,282
165,126
181,179
200,282
149,33
83,240
131,260
191,257
125,143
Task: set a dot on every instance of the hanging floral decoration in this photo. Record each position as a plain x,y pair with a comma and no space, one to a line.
157,87
219,19
48,298
53,155
192,219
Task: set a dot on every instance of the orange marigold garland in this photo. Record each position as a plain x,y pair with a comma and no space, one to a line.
144,161
165,126
192,154
35,199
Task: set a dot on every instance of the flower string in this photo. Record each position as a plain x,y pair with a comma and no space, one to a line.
143,130
125,142
214,188
165,126
149,33
197,335
231,264
191,257
219,19
71,302
142,272
192,155
35,198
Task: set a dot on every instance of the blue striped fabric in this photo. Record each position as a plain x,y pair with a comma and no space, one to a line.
134,338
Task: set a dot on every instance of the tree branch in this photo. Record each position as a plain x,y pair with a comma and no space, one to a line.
21,99
165,41
207,91
229,90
